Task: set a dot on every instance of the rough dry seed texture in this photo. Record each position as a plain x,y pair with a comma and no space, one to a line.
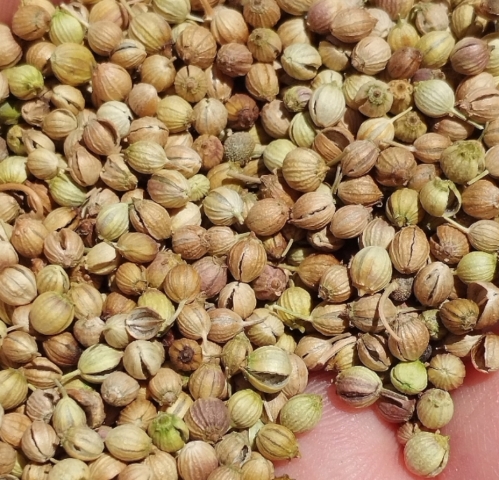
202,201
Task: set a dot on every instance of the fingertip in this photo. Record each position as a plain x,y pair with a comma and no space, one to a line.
348,443
7,10
474,429
9,7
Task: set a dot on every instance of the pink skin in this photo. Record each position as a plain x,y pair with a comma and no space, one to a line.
10,6
358,445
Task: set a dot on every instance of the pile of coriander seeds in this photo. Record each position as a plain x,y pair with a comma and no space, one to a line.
202,202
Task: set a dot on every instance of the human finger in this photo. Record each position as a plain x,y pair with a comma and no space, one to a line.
7,10
358,444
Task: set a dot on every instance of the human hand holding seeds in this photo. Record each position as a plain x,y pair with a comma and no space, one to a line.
355,444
